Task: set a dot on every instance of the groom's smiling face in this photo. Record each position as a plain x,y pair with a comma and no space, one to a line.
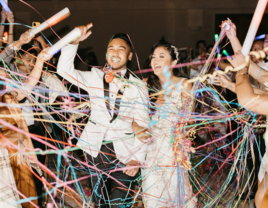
118,54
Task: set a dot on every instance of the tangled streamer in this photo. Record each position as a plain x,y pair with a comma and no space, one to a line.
218,158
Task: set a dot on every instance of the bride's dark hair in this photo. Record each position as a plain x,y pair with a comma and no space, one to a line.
153,81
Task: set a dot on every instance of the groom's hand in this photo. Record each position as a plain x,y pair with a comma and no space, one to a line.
140,132
85,32
131,171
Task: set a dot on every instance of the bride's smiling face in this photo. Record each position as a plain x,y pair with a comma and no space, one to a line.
160,59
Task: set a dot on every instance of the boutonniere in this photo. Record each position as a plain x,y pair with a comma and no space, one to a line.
126,85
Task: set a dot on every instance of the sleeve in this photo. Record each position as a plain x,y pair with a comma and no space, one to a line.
8,54
66,68
141,116
55,86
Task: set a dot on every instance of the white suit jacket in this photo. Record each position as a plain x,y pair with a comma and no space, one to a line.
133,106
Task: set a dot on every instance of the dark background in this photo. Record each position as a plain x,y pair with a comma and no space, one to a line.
146,21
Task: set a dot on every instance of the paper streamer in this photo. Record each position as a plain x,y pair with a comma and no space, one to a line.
255,23
5,6
63,14
71,36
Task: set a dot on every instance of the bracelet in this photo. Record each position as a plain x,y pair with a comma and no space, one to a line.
243,70
10,34
241,74
259,73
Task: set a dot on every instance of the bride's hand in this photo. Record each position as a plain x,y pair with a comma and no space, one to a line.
140,132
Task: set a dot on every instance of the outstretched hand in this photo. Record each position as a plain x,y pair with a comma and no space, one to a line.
10,17
231,33
85,33
24,38
221,80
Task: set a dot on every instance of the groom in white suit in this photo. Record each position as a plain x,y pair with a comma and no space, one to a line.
108,137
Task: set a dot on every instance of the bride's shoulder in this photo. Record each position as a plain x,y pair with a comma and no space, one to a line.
183,84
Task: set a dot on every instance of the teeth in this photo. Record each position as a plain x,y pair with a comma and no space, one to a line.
115,59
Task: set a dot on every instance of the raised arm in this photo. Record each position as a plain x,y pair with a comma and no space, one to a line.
10,19
2,26
231,34
65,66
34,75
255,71
222,81
40,39
9,53
245,93
258,73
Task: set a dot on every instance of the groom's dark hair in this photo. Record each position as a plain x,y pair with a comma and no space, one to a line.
122,36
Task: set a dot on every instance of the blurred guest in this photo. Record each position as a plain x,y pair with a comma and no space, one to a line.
201,55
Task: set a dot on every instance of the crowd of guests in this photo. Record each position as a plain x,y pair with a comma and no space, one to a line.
132,125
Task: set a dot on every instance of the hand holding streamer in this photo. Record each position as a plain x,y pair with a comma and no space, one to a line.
70,37
51,21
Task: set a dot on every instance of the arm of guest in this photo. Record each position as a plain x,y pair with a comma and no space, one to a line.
42,41
66,68
255,71
248,98
10,19
231,34
9,53
34,75
236,45
221,80
2,26
245,94
257,91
